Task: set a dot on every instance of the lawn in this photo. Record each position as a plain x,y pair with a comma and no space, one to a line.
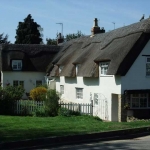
14,128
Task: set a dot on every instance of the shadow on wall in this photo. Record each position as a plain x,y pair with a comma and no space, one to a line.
117,80
91,81
70,80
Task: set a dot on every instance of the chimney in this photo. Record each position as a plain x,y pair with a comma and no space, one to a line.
96,29
60,39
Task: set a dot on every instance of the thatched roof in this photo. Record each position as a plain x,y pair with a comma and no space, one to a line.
34,57
120,46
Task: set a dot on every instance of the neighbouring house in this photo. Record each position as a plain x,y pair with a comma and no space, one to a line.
112,69
26,65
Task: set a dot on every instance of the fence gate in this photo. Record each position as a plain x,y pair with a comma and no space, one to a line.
100,108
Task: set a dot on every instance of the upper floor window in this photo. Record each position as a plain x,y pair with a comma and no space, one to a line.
104,68
60,68
62,89
148,66
16,64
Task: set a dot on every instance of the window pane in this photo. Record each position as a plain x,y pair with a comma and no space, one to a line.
15,83
38,82
79,93
62,89
135,102
143,102
21,83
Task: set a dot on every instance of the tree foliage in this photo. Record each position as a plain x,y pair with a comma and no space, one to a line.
28,32
4,39
74,35
51,41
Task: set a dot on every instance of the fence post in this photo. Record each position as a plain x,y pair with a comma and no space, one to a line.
91,109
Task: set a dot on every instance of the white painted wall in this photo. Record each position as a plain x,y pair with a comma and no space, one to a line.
29,79
136,76
105,85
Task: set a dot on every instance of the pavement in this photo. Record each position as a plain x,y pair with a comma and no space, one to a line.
74,139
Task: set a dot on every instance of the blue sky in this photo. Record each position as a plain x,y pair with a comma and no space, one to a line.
74,14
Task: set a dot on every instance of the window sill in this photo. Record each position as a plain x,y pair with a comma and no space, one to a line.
106,75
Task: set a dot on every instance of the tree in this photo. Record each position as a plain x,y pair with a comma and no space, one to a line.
73,36
4,39
51,41
28,32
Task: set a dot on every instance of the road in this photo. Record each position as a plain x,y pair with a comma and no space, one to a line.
140,143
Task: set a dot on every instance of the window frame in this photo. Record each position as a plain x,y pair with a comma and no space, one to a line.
18,82
38,84
61,89
147,69
139,100
16,64
79,93
104,68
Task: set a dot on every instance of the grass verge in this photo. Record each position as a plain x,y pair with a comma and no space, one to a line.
14,128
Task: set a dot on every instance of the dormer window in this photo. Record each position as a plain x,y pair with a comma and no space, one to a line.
104,67
60,68
17,64
77,68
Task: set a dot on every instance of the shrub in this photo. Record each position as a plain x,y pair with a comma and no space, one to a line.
51,103
8,97
66,112
40,113
38,93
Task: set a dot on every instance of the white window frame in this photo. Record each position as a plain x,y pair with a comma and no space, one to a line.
148,66
104,68
61,89
19,82
79,93
136,99
17,64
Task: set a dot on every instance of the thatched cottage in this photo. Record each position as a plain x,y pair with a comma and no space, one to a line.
26,65
112,69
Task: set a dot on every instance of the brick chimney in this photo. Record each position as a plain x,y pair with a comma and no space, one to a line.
60,39
96,29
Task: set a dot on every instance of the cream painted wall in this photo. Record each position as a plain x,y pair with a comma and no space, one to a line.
29,79
136,76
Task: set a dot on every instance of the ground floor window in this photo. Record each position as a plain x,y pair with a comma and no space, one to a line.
79,93
17,83
38,83
140,101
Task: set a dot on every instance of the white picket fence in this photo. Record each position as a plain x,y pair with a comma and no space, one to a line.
30,106
27,106
83,108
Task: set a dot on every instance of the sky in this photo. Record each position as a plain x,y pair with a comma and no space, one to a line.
75,15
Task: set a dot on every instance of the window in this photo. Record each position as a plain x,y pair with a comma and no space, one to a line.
79,93
77,68
95,98
104,68
38,82
148,66
60,68
17,83
61,89
16,64
139,101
